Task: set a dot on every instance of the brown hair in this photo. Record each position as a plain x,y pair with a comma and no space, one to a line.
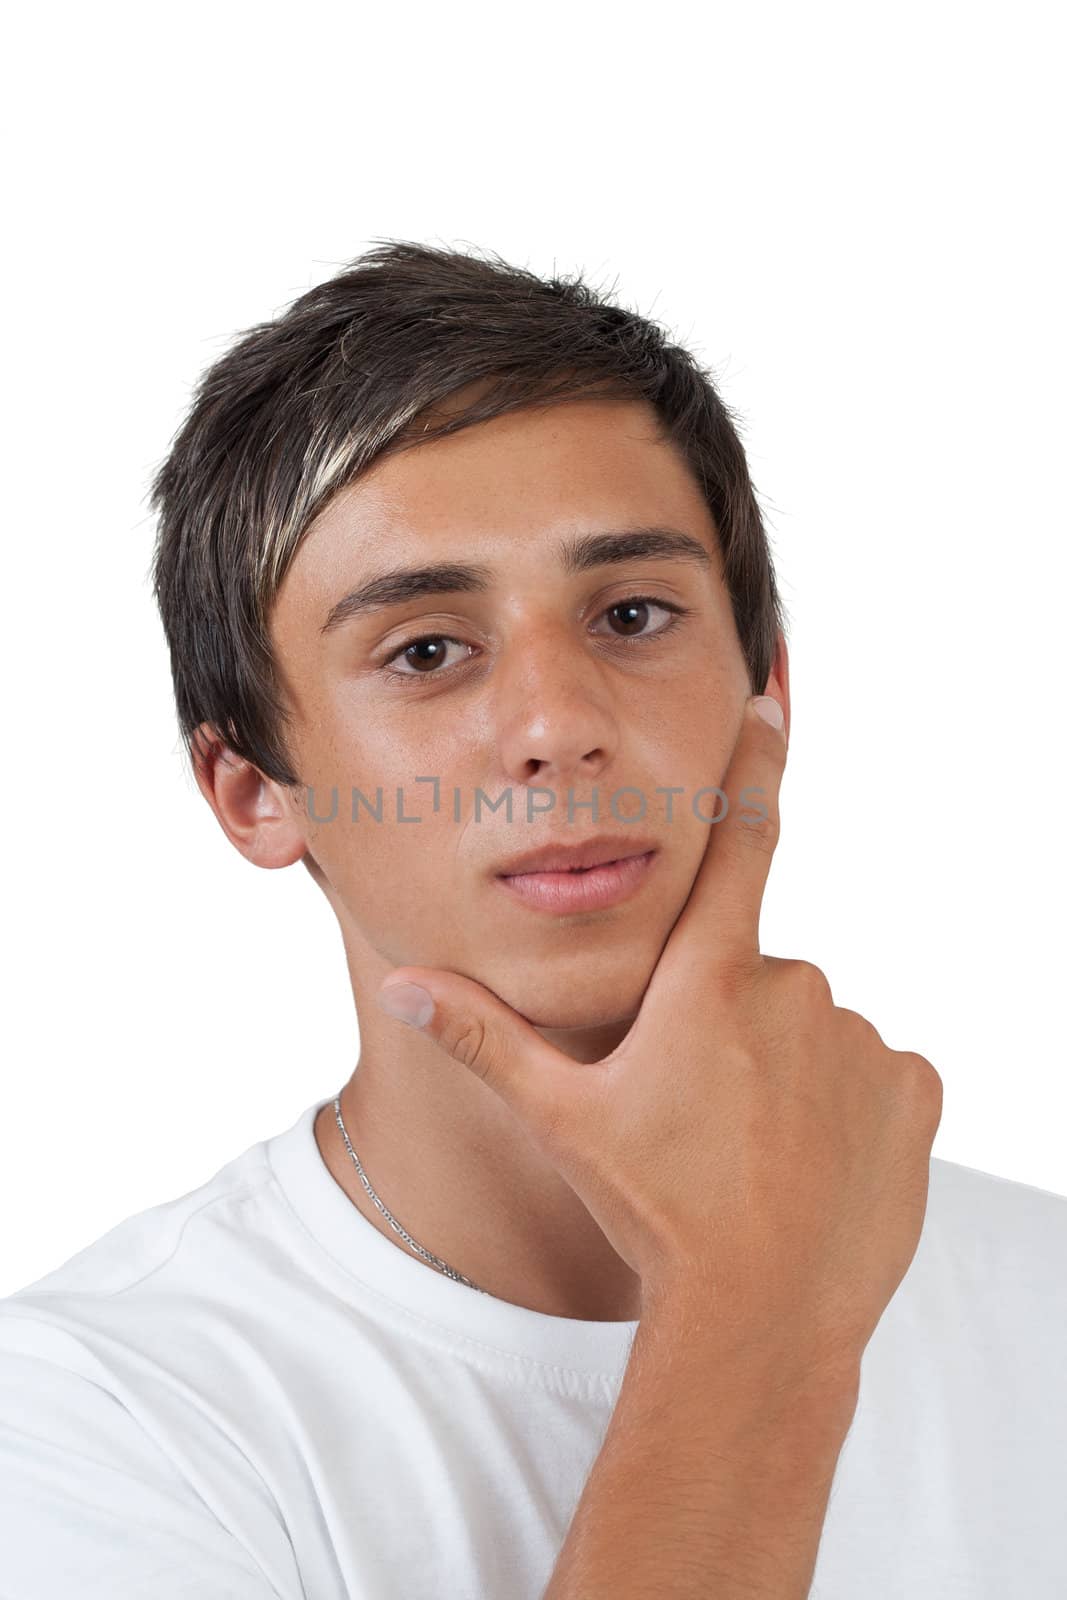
299,406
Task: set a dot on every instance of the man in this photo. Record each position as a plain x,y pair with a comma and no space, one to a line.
571,1284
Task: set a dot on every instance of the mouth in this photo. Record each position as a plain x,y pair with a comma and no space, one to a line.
577,888
596,851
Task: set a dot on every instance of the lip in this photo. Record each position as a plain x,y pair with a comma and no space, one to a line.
599,886
591,852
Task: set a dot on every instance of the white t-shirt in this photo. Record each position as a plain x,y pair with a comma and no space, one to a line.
249,1391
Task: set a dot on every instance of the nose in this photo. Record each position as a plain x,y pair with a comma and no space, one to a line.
556,722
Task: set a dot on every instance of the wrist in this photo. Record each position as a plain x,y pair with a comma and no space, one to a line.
779,1379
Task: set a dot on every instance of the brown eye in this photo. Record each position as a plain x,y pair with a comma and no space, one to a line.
421,658
426,653
632,617
631,613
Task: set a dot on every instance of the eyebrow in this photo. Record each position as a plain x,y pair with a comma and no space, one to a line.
576,555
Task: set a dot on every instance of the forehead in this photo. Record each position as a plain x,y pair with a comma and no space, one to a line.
504,491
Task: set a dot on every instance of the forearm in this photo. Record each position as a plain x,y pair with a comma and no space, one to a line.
714,1476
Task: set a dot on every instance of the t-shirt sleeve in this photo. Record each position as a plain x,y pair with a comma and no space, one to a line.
91,1506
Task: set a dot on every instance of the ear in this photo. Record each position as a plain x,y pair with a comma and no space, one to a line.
253,811
778,678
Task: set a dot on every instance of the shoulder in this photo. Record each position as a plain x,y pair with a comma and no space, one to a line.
115,1476
148,1240
125,1311
966,1197
994,1239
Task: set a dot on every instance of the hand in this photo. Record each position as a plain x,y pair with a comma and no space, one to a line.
748,1141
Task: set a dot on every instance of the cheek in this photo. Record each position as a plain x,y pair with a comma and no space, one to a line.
703,724
402,771
403,881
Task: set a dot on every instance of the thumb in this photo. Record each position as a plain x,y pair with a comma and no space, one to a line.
476,1028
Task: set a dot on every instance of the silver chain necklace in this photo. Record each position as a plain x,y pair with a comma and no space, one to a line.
427,1255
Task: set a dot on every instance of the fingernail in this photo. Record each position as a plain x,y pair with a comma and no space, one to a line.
407,1002
769,709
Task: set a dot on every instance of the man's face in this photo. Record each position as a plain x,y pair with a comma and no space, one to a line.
531,682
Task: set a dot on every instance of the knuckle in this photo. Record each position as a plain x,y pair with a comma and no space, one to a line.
759,832
810,983
926,1083
467,1040
859,1023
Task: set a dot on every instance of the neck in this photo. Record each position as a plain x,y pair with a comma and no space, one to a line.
460,1173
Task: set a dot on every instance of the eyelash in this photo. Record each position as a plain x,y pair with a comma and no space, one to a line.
645,638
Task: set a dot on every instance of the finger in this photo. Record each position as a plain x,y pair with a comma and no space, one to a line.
721,917
484,1034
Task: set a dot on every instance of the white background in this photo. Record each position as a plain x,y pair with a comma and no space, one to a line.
854,214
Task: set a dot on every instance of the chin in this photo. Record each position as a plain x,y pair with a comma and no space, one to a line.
576,1011
570,994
